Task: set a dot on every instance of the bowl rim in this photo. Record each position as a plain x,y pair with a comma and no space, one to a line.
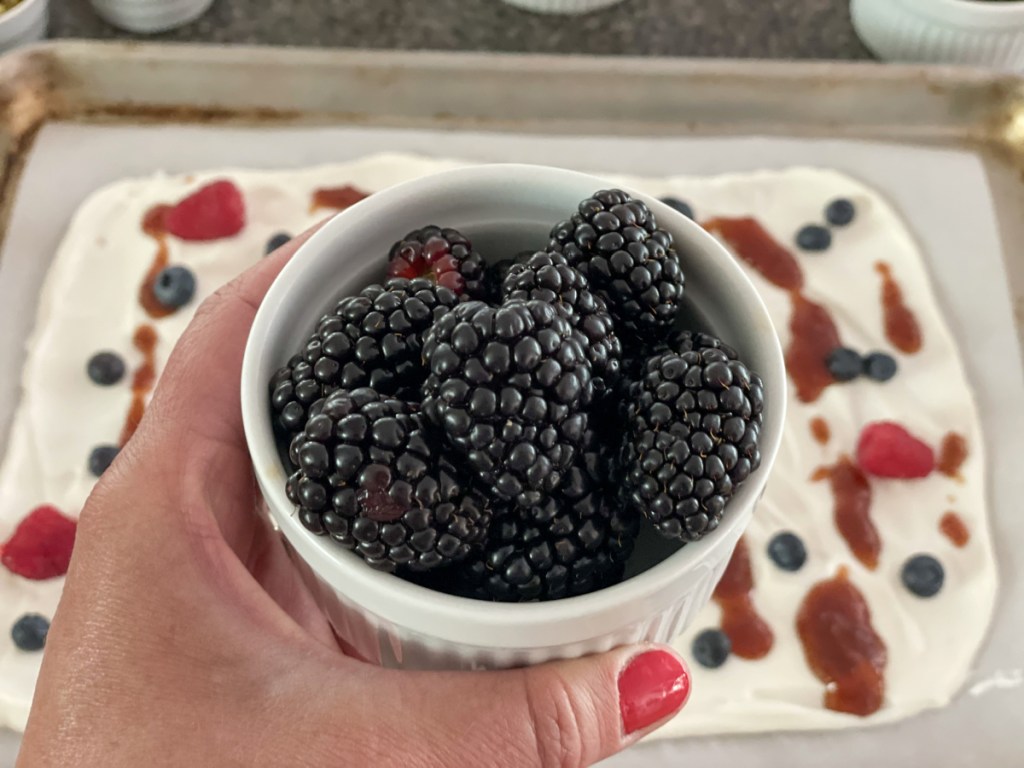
20,9
436,614
968,12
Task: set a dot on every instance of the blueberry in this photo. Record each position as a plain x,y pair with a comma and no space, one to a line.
175,287
102,456
29,632
711,648
276,242
105,368
840,212
679,205
844,364
923,575
787,551
814,238
879,366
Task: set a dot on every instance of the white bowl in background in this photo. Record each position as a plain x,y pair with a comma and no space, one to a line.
503,209
943,31
150,16
562,6
25,23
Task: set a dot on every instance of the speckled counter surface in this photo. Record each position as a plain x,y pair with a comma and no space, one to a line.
779,29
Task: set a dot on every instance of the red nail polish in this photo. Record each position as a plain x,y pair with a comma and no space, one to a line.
653,685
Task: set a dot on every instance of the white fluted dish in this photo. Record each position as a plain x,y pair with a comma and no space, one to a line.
150,16
25,23
562,6
502,209
943,31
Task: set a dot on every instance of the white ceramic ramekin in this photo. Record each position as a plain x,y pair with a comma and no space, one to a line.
943,31
502,209
23,24
562,6
150,16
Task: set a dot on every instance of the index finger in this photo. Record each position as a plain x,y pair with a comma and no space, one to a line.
198,393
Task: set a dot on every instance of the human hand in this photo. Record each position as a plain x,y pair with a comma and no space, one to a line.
185,635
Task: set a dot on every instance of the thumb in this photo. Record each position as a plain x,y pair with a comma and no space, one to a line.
568,713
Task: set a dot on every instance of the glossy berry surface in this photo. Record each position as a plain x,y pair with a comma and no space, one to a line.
693,423
787,551
369,475
174,287
508,386
442,255
615,242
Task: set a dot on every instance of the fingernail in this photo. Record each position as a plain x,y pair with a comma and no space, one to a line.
653,686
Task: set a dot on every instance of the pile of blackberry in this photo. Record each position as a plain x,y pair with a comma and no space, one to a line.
478,428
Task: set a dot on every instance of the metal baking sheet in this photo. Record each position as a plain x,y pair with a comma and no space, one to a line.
64,103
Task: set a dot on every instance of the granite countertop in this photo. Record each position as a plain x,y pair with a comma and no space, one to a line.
778,29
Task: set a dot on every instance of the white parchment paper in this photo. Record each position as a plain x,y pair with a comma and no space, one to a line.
942,193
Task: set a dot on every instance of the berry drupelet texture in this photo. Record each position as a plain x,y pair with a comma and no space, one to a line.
444,256
615,242
369,476
548,277
693,433
576,540
509,386
373,339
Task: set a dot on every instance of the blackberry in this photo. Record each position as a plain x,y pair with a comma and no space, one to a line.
494,277
370,478
582,548
509,386
444,256
615,242
372,339
548,277
694,422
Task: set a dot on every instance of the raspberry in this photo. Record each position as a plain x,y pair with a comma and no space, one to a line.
210,213
886,449
41,545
